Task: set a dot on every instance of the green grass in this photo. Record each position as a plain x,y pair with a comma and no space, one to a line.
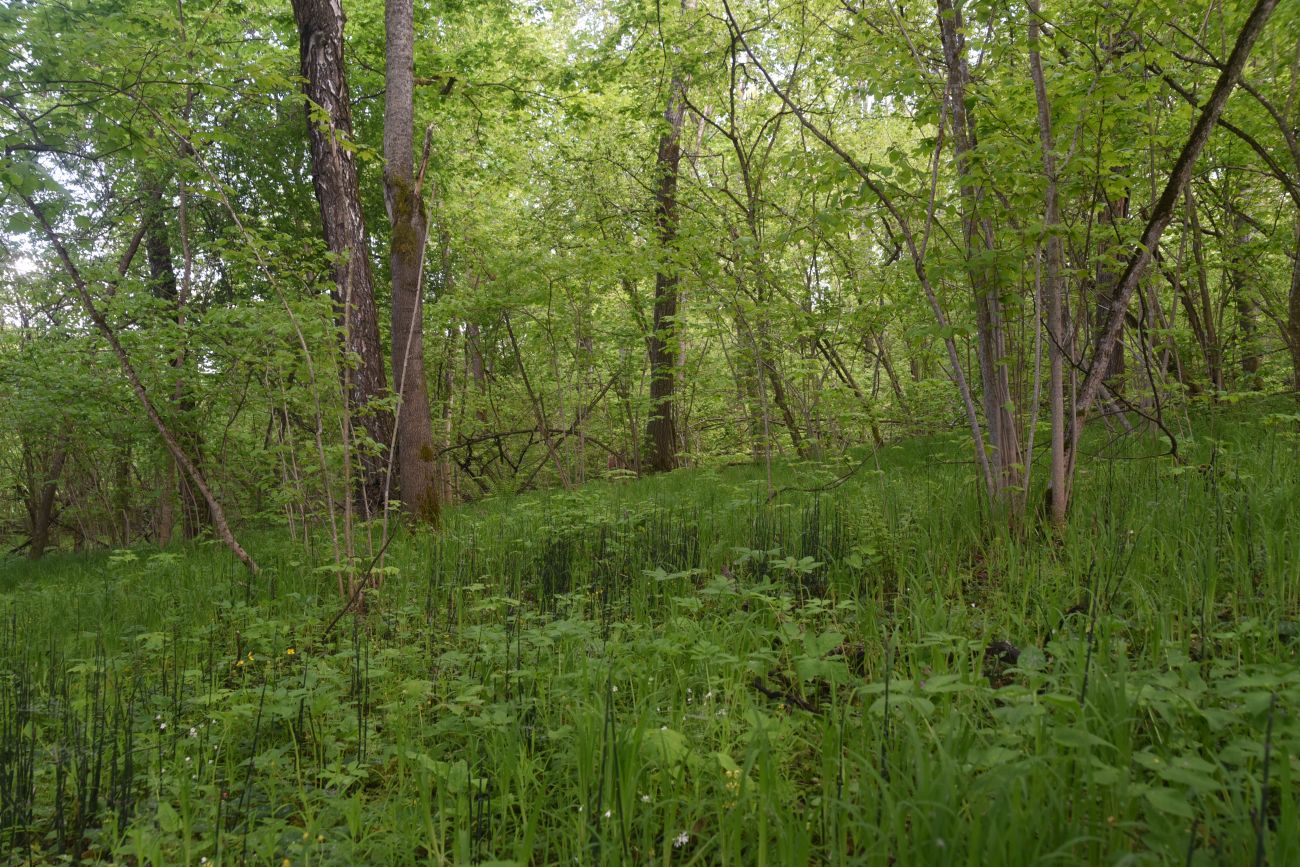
669,672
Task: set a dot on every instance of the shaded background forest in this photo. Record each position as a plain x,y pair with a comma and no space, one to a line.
859,198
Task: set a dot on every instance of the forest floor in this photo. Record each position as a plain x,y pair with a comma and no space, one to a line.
669,671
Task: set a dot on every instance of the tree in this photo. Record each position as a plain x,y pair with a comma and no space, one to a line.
661,426
334,175
403,197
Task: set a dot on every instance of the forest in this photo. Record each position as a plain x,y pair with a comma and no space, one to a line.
688,432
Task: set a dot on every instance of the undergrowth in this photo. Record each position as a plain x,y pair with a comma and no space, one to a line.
675,671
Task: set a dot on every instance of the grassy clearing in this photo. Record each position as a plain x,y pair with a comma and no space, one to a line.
667,672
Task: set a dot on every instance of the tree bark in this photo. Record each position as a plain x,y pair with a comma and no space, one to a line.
661,426
410,229
1115,212
1210,346
43,511
334,175
1293,313
162,282
1058,495
977,235
1163,211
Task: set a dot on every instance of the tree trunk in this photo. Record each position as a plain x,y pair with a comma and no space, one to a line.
1293,313
661,426
1211,347
162,282
1058,495
1163,211
43,511
1107,274
977,234
334,174
410,228
1246,305
97,319
162,276
662,423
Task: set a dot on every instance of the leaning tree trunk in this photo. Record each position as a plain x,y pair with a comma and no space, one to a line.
410,229
334,174
1163,212
82,291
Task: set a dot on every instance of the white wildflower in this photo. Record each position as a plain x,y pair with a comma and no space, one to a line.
681,840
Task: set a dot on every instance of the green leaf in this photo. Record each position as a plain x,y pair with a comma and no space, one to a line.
1170,801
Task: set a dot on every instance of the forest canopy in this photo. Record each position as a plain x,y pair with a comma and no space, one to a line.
626,237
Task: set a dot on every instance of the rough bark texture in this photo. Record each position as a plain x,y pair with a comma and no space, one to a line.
42,509
410,228
661,426
334,174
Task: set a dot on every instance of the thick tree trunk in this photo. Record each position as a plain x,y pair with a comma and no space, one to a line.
42,512
661,426
410,228
334,174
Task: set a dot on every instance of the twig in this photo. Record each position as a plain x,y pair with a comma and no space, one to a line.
361,587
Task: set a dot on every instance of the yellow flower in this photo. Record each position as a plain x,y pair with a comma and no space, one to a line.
239,663
290,652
